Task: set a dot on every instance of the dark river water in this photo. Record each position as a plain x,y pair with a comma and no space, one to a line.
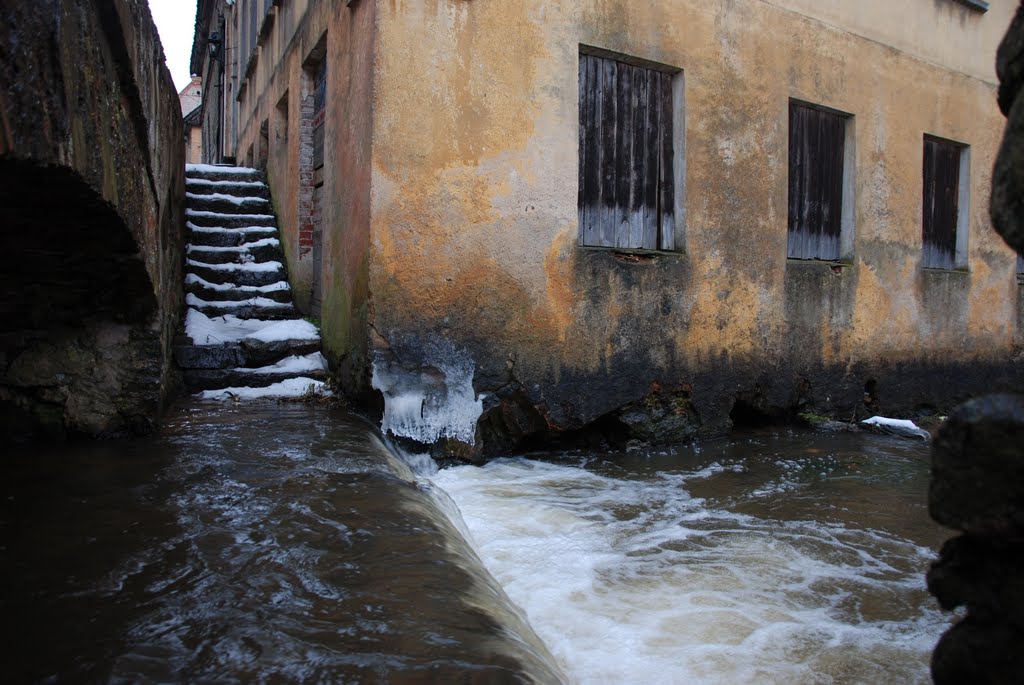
282,543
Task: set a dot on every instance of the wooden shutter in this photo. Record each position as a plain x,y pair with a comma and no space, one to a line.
940,211
816,149
319,112
252,29
626,183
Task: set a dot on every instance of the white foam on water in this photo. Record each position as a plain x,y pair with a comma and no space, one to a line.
635,581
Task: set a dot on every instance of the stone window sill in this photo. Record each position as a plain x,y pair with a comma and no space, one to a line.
837,267
632,256
979,5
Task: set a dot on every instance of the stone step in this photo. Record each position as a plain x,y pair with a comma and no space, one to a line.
214,292
221,173
199,186
198,380
291,388
264,250
227,204
214,236
253,308
308,366
246,353
238,274
237,291
229,220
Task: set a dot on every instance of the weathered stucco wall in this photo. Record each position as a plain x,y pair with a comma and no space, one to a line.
91,186
278,94
474,216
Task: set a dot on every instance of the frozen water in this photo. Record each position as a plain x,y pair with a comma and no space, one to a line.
433,402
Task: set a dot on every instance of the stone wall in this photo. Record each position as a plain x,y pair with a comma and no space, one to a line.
977,484
475,231
91,197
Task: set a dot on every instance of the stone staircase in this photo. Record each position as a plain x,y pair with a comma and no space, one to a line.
243,337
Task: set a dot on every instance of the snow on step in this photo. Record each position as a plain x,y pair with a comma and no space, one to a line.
229,209
227,215
193,279
220,229
298,364
293,387
244,247
233,199
237,184
217,169
195,301
244,266
229,328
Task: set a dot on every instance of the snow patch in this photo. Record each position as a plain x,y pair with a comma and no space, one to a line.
233,199
902,427
248,266
192,279
235,183
227,215
244,247
892,423
221,229
216,168
204,330
292,387
310,363
194,301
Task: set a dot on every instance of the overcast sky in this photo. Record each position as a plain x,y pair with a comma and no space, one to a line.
176,22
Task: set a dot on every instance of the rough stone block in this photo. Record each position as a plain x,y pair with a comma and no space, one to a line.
978,467
209,356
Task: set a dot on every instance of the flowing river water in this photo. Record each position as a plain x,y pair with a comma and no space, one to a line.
290,544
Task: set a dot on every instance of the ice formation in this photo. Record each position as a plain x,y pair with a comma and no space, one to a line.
432,402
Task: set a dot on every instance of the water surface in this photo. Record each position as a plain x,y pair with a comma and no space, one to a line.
274,543
771,558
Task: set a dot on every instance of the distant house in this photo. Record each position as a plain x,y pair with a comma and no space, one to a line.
748,206
191,98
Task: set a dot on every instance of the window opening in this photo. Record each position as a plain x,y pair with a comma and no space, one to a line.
626,181
943,223
817,158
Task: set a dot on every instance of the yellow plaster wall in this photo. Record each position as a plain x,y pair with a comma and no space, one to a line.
474,189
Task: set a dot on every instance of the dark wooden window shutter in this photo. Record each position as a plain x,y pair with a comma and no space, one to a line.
940,212
626,182
817,140
319,112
